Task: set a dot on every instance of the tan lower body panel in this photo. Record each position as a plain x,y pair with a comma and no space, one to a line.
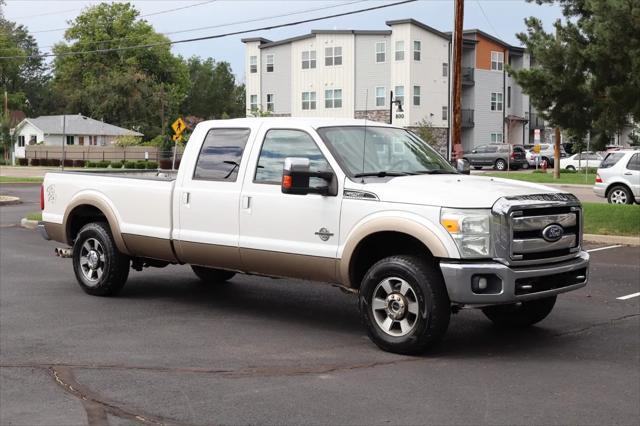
151,247
289,265
56,232
209,255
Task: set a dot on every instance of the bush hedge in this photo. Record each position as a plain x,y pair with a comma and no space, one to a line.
129,164
34,162
92,164
103,164
79,163
141,165
151,165
117,164
68,163
23,162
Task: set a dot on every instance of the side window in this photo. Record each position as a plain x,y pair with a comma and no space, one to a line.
491,148
481,149
611,159
220,155
634,163
280,144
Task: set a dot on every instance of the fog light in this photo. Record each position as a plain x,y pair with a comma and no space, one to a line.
486,284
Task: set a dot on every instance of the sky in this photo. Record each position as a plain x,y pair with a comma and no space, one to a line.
501,18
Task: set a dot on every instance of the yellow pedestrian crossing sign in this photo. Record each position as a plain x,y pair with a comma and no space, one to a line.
177,138
178,126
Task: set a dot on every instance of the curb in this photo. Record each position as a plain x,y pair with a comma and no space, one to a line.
6,200
612,239
29,224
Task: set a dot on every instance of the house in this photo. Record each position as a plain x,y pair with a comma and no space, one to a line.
78,130
352,73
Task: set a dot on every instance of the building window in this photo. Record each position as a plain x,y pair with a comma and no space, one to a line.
333,98
20,140
416,95
253,102
332,56
308,59
381,48
509,97
445,69
253,64
497,61
70,139
496,137
400,50
417,47
308,100
270,103
399,94
269,63
445,112
380,96
496,101
221,154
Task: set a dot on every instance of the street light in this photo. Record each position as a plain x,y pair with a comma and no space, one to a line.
391,102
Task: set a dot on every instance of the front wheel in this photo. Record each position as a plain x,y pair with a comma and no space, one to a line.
404,304
620,195
210,275
571,168
520,315
101,270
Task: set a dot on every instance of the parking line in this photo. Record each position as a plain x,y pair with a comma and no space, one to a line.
604,248
628,296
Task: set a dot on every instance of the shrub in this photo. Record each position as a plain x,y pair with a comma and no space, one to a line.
79,163
68,163
117,164
568,171
34,162
151,165
129,164
165,164
92,164
23,162
141,165
103,164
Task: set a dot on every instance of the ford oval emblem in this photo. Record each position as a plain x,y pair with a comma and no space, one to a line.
552,233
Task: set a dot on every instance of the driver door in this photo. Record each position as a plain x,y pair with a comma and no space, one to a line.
288,234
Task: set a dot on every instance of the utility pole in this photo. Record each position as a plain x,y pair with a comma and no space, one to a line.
456,131
556,145
6,117
64,138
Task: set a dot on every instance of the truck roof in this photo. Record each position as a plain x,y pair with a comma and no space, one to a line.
315,122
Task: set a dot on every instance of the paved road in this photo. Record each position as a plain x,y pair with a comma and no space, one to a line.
170,350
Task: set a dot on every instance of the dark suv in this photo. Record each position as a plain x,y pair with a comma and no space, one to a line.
498,156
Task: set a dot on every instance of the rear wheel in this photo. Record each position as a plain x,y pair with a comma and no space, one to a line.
101,270
620,195
520,315
404,304
210,275
571,168
501,164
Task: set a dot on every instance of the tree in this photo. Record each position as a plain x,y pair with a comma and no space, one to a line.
139,87
213,90
587,75
426,132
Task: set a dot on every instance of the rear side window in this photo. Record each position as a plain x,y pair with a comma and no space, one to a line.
491,148
220,155
634,163
611,159
280,144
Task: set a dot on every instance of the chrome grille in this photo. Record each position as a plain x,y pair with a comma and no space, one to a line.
521,221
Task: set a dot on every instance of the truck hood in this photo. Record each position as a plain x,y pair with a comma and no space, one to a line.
460,191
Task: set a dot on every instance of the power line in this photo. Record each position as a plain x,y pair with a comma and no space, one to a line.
191,40
487,19
57,12
209,27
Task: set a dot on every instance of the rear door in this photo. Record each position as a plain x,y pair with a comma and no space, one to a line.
209,199
632,174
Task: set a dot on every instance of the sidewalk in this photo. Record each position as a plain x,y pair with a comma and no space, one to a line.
26,171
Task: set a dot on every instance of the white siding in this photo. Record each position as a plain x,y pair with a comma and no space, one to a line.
252,80
369,74
277,82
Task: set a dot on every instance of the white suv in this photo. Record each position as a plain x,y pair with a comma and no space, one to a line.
618,178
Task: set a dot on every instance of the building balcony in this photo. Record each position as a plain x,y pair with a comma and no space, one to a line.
467,76
467,118
536,122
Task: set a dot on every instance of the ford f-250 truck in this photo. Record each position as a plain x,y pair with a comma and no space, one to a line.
363,205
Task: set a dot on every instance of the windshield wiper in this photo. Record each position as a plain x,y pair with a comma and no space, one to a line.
435,172
381,173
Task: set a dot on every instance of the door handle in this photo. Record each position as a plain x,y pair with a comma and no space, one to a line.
628,174
246,202
186,197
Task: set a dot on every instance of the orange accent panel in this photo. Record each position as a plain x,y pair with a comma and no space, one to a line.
484,47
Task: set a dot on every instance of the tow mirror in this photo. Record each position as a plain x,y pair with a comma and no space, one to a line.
296,178
463,166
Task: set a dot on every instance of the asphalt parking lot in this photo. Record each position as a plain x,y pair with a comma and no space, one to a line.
170,350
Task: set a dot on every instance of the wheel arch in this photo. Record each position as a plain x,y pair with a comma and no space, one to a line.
618,183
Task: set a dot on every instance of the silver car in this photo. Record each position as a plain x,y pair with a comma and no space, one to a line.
618,178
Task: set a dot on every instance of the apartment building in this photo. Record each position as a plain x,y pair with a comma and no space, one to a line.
352,73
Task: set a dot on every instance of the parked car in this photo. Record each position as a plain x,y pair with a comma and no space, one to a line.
581,161
547,153
618,178
389,220
498,156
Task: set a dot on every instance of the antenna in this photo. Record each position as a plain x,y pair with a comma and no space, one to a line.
364,139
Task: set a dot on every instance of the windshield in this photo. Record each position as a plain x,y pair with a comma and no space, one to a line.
382,151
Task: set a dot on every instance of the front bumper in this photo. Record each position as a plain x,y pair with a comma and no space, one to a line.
509,285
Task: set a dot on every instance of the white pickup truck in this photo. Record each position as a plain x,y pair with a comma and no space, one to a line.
362,205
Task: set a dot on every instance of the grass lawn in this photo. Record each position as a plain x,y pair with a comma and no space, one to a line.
611,219
13,179
570,178
34,216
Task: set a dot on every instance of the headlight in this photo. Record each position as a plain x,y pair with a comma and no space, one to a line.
470,229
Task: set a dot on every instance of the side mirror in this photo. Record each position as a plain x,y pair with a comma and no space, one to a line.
296,176
463,166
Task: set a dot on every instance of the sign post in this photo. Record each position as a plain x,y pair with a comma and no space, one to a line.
178,127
